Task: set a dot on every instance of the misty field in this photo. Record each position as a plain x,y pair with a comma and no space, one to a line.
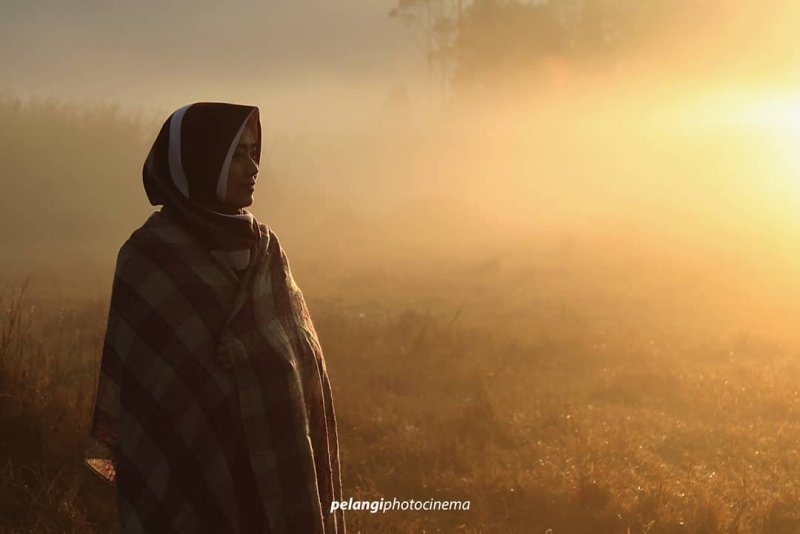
595,344
563,286
558,391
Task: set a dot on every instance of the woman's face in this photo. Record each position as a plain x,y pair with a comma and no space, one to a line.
243,171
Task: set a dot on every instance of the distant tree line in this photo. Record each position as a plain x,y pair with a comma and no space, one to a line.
479,43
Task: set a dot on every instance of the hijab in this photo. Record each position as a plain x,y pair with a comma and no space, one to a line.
186,171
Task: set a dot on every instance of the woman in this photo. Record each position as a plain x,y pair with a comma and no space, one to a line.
213,411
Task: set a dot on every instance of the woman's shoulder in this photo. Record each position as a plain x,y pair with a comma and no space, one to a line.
269,234
158,228
158,233
265,230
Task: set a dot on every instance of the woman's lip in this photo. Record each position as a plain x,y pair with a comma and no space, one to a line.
249,186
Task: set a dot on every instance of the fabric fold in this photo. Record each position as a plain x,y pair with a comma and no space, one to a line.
172,428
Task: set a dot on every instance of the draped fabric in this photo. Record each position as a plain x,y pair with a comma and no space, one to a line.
167,415
192,447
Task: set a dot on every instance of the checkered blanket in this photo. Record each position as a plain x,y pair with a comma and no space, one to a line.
172,428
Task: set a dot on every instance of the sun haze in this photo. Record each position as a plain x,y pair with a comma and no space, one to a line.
562,234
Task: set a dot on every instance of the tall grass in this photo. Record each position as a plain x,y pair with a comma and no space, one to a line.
586,386
587,425
48,361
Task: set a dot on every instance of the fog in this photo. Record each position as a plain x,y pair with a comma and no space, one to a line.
300,62
683,153
562,283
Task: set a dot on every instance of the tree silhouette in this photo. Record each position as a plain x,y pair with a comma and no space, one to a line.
500,38
434,24
482,43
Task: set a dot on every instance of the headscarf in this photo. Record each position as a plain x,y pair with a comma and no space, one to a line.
186,171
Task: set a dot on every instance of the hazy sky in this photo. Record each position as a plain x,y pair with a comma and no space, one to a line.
314,64
622,154
164,54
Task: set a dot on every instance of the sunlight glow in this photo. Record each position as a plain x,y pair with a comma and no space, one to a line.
780,112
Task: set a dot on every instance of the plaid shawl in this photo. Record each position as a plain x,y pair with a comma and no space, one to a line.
175,431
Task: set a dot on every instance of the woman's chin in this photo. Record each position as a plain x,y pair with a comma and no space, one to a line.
243,201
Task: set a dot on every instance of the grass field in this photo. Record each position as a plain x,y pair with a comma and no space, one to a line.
563,390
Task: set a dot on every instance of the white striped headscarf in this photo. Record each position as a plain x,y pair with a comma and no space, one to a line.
187,169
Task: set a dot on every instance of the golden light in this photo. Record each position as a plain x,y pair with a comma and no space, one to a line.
778,113
758,128
776,120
